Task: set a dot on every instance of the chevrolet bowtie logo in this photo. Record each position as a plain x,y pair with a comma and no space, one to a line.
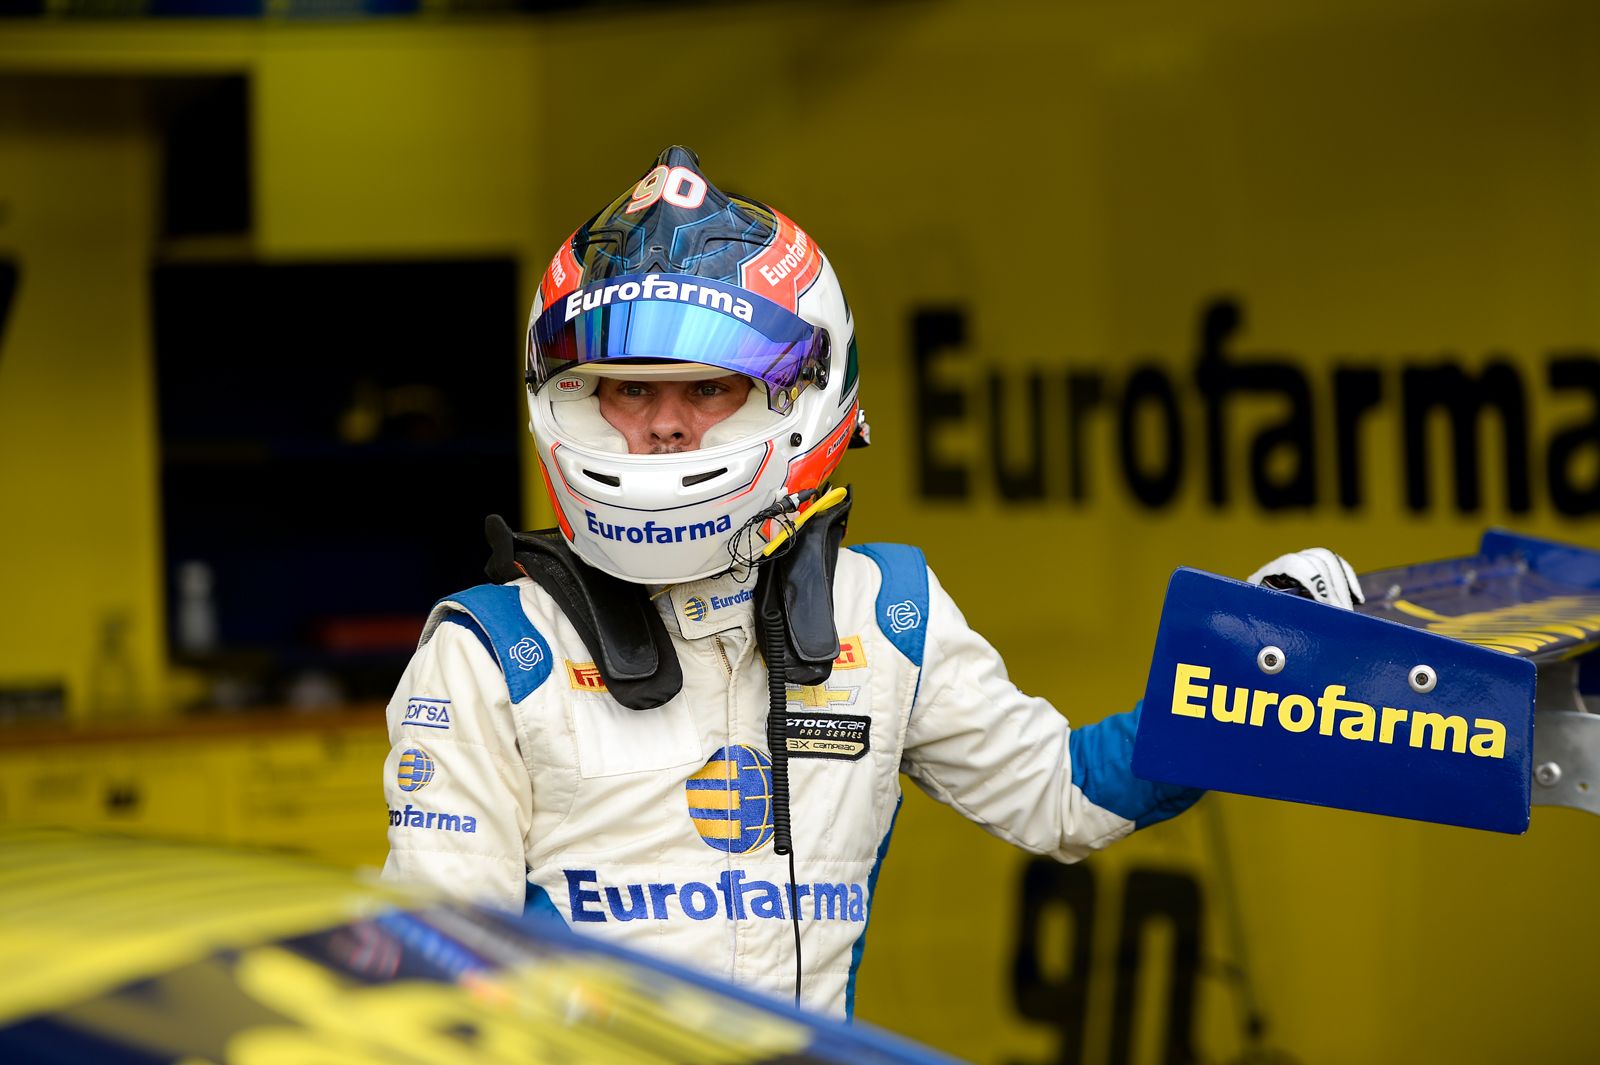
820,696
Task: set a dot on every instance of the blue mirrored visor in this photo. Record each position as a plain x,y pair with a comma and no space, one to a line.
656,317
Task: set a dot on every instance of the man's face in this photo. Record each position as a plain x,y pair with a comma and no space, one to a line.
658,417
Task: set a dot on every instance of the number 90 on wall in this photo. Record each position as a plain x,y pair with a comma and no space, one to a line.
677,185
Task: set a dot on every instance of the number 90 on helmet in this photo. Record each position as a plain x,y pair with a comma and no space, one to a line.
676,279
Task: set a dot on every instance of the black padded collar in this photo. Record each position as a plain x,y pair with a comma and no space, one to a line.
615,619
624,632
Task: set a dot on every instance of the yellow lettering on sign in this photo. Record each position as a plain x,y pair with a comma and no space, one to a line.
1334,713
1184,688
1260,703
1491,742
1296,713
1391,718
1423,722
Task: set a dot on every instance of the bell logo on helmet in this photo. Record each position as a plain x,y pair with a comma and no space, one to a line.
710,294
651,533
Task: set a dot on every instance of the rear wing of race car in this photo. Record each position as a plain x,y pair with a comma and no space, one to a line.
1422,703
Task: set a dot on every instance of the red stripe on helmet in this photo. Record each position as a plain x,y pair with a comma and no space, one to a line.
555,503
785,268
754,480
817,465
562,275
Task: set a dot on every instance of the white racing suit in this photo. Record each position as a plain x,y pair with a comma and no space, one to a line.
517,781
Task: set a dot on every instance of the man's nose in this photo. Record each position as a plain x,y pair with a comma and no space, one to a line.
670,420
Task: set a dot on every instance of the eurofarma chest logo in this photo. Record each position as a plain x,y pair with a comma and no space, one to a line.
730,800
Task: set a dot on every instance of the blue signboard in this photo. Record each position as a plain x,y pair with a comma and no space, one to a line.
1418,704
1264,693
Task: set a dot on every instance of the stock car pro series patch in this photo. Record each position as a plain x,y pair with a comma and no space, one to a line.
818,734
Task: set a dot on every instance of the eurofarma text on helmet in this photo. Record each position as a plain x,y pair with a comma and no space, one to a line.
655,287
794,255
651,533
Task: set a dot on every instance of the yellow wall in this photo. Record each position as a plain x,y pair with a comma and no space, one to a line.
1378,184
78,540
368,141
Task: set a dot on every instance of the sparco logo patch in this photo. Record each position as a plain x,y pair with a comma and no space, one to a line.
527,653
811,734
903,615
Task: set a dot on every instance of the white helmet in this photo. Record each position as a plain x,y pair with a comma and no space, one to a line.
677,279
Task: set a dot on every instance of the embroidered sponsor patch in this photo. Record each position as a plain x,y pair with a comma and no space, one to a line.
730,799
527,653
813,734
851,654
822,696
423,712
584,677
416,770
903,616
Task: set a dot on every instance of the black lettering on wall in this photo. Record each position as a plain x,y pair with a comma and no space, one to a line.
1577,370
1017,481
1446,385
1085,391
1132,423
932,333
1217,322
1155,896
1155,487
1356,390
1061,1002
1295,436
1052,975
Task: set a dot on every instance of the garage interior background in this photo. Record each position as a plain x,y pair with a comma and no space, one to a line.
1137,285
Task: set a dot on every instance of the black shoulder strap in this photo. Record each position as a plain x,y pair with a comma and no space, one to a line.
615,619
624,632
803,579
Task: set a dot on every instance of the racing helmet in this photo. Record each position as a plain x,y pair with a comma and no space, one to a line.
677,279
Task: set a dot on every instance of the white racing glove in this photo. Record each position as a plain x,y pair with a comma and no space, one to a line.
1315,573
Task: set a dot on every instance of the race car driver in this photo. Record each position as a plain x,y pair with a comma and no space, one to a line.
680,720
